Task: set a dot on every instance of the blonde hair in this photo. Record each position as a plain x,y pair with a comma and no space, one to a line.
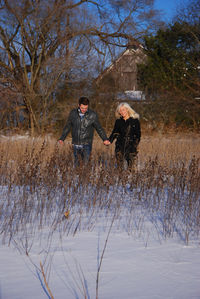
131,112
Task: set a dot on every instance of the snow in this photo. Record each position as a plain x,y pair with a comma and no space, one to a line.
136,95
141,255
136,264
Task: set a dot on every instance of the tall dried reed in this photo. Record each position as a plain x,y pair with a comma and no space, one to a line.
38,183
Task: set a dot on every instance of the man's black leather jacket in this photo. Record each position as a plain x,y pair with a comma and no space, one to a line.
83,130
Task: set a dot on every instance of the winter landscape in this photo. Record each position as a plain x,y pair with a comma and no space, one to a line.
95,232
99,231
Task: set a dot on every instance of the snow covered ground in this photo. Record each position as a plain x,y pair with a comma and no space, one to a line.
144,241
140,264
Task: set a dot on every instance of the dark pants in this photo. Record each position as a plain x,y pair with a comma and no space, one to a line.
130,157
81,153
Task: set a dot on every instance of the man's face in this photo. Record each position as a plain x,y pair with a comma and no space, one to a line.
83,108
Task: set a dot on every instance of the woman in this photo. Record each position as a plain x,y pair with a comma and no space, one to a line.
127,132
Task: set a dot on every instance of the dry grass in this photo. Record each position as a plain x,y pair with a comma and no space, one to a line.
42,193
39,183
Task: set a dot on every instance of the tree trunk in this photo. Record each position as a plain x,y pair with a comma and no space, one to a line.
32,128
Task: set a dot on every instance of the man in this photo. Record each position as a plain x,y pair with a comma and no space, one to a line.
82,122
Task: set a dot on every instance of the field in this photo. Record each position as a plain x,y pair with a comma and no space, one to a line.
122,230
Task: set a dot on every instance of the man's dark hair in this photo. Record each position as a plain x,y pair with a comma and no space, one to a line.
84,101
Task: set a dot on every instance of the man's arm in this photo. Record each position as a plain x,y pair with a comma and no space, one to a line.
66,129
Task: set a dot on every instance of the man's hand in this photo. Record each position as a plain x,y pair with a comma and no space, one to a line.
61,142
106,142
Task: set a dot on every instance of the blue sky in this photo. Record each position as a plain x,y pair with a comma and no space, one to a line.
168,7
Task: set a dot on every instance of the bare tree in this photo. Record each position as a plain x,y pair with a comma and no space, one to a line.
40,41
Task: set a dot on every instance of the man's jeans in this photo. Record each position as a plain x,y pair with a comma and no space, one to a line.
81,153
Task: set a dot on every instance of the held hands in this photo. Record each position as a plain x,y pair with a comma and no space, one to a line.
106,142
60,142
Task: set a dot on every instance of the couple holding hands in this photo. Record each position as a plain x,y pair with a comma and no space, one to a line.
82,122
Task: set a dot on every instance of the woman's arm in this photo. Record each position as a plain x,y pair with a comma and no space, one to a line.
137,131
115,132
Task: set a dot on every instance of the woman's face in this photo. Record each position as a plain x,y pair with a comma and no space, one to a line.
124,112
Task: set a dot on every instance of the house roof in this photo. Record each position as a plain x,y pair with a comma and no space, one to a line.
131,49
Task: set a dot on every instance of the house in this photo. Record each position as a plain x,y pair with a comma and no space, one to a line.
121,76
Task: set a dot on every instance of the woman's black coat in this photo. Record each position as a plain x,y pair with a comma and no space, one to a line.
128,133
